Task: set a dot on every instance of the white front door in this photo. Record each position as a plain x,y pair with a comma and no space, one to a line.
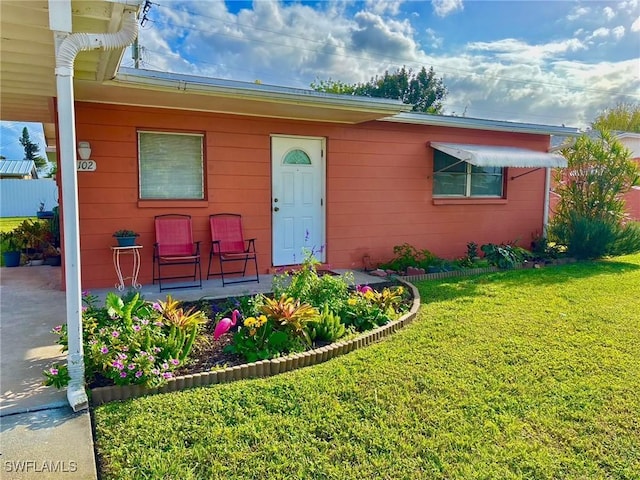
297,198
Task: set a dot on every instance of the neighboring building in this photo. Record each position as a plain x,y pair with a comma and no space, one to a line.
18,169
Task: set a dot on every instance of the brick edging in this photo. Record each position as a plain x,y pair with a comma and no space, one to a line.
263,368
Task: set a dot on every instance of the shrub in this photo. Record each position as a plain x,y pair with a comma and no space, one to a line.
367,308
505,255
328,327
627,240
131,341
306,285
409,256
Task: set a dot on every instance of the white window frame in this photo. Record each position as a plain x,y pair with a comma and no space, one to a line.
468,174
142,167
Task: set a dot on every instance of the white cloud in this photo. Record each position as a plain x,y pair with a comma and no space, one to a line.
578,12
608,13
442,8
435,41
513,50
618,32
635,26
292,44
600,33
380,7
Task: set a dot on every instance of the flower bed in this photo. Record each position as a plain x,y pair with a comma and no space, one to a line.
309,318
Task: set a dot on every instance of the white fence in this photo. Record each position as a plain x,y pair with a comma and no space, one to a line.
21,198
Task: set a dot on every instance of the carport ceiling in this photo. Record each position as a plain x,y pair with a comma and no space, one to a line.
27,56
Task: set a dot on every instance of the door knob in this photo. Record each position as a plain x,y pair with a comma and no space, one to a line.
276,209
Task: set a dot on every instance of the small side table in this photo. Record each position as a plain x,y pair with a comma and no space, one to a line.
135,251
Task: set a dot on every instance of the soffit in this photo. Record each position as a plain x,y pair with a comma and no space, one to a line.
27,55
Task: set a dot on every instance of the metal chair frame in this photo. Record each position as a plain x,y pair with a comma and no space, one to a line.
235,250
164,260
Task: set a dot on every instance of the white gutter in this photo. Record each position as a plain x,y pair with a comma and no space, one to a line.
66,53
480,124
173,82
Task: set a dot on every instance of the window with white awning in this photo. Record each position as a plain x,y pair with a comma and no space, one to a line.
463,170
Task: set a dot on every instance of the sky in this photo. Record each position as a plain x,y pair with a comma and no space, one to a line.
545,62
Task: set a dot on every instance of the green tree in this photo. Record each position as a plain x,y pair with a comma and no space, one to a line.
31,150
423,89
590,218
624,117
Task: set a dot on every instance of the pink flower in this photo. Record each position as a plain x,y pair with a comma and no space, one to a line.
131,366
53,371
157,306
138,373
175,361
364,289
104,350
57,329
167,374
117,365
123,374
137,328
115,334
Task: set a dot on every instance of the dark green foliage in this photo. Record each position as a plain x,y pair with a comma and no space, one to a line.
505,255
423,89
624,117
407,255
31,150
328,327
591,213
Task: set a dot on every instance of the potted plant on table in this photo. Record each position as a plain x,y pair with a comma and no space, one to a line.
10,247
126,238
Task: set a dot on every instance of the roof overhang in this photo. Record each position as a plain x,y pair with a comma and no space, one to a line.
481,124
492,156
148,88
28,59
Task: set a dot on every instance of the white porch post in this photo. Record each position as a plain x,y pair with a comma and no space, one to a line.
68,45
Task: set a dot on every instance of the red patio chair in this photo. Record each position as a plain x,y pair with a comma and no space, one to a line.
229,245
175,246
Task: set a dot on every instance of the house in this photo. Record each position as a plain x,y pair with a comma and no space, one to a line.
355,176
345,176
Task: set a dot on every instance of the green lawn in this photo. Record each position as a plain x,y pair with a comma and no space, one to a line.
9,223
523,374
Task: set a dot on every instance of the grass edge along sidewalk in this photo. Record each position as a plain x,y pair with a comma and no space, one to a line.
518,374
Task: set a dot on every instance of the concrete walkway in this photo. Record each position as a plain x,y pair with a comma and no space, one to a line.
40,436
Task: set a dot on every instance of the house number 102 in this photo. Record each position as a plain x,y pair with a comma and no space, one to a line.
86,165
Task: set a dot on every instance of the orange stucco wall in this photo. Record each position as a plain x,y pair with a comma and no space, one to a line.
379,183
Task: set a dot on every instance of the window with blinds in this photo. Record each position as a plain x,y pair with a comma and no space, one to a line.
171,166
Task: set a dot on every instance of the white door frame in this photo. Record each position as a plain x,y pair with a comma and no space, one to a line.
319,243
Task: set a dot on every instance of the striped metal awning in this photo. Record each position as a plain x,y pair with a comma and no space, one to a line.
18,168
492,156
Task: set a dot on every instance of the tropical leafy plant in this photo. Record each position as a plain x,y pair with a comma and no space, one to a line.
505,255
328,327
131,341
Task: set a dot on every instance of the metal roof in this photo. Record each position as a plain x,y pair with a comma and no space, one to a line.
481,124
492,156
17,168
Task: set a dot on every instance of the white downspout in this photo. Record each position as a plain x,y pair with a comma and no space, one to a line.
65,57
547,192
